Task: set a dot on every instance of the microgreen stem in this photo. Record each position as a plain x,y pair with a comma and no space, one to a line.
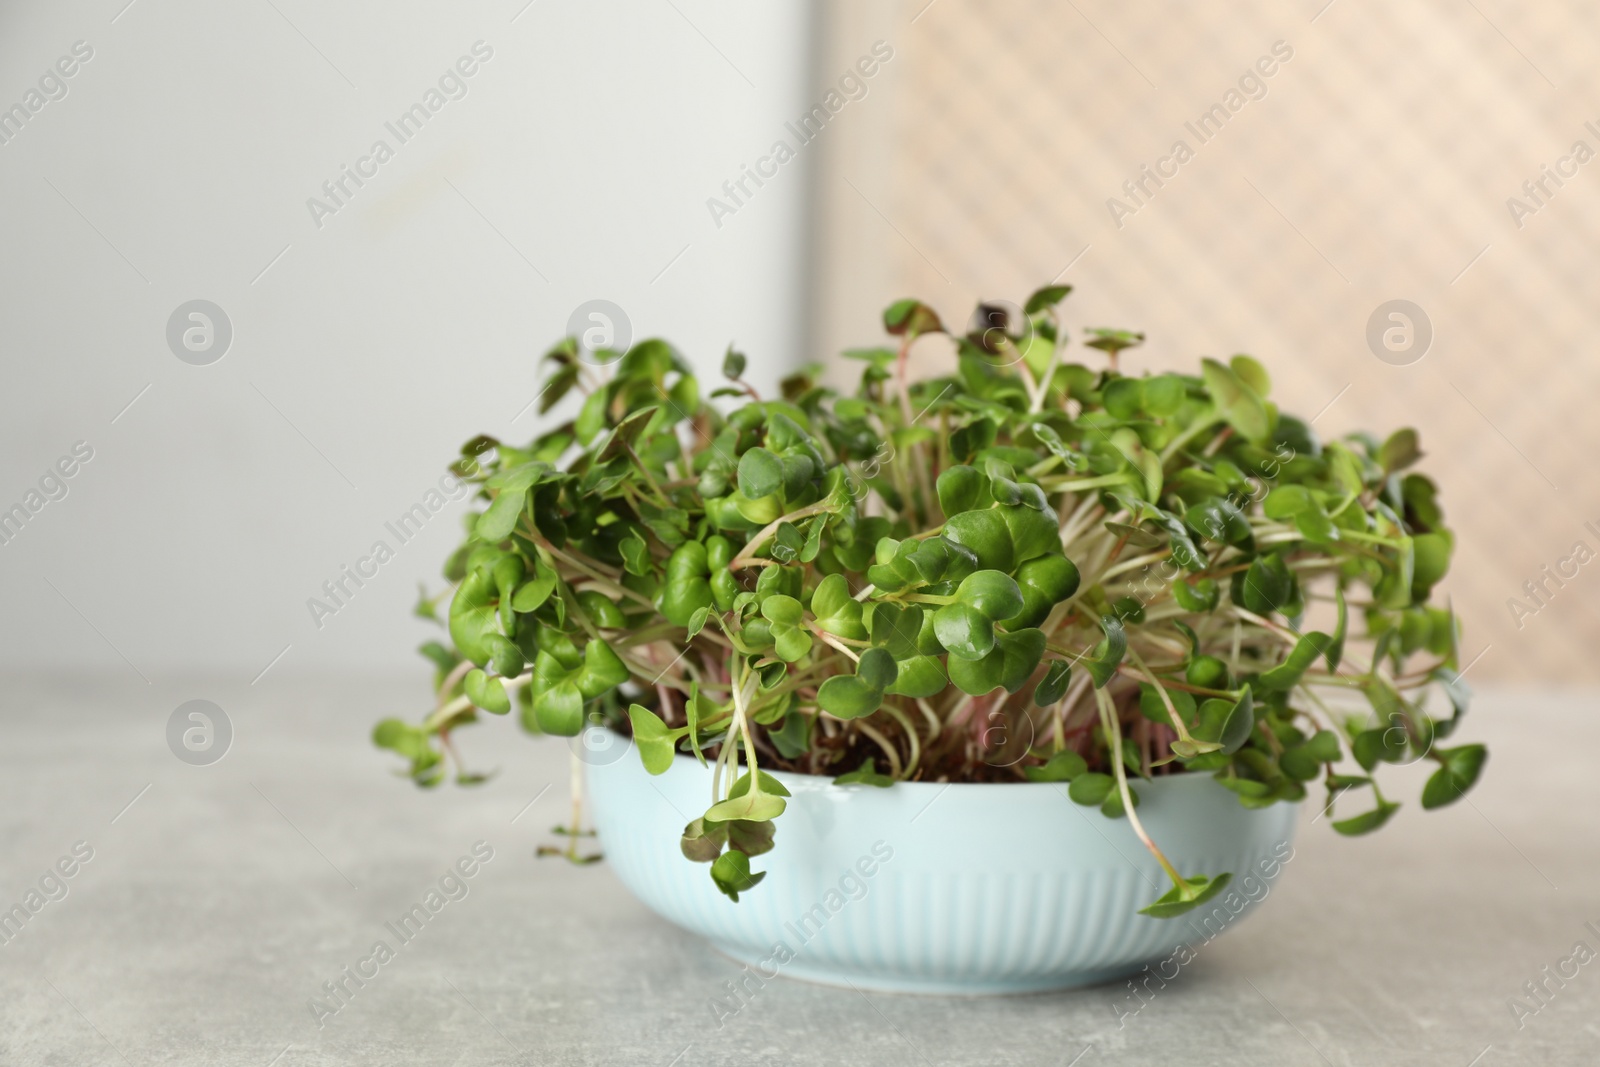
1172,711
458,672
828,639
1195,429
911,735
901,366
575,773
748,552
1073,485
883,743
1113,729
1042,390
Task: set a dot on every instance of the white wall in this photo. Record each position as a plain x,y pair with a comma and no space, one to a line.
188,146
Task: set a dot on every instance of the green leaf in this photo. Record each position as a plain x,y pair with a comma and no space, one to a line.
877,668
1267,585
1252,373
625,434
760,473
1323,746
1225,723
592,416
1299,764
992,593
896,626
793,738
1195,891
532,594
964,631
400,737
919,676
1287,674
1335,650
985,533
1218,519
866,774
731,873
496,524
1047,297
601,609
1287,501
769,784
602,669
1009,665
1134,535
442,658
754,806
751,838
686,589
1111,807
1155,709
1381,744
1208,672
1033,531
1458,773
559,709
1304,762
1123,397
1090,788
1053,686
813,542
1246,788
472,615
485,692
652,738
787,542
1400,451
504,656
1316,527
1061,767
1199,597
960,489
702,842
789,643
782,609
1044,582
836,611
693,708
698,620
1235,401
847,697
1367,822
1113,341
910,318
1431,560
1164,394
1102,663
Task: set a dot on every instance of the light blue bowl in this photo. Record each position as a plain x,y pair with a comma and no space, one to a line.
930,888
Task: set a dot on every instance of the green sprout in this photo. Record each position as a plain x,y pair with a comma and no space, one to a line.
1123,569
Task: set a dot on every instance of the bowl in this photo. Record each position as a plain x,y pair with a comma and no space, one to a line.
927,887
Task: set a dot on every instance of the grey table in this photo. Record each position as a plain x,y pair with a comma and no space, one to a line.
219,899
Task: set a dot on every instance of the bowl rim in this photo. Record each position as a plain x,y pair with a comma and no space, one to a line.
818,783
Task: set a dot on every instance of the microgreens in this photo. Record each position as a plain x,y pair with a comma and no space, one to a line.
1121,568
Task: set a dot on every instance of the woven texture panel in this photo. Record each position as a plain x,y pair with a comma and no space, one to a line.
1373,163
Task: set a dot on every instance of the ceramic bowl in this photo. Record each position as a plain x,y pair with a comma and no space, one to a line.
939,888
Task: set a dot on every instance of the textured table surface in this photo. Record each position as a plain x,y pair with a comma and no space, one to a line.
217,904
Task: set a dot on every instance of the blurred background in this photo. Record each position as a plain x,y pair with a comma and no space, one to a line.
1226,177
